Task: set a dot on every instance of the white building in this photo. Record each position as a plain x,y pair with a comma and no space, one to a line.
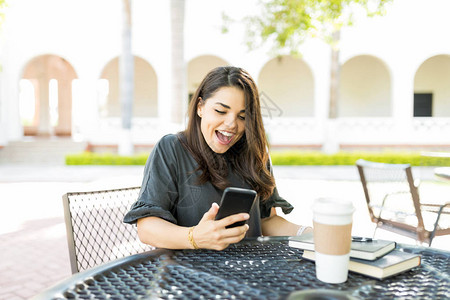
60,73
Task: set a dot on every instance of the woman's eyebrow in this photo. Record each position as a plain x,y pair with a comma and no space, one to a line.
224,105
228,107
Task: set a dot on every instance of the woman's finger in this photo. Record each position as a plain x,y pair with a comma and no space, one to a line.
234,231
233,219
231,240
211,213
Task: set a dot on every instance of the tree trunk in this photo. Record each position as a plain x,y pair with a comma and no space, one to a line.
331,144
126,71
178,91
334,76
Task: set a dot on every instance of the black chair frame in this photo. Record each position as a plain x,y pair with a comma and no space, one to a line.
96,233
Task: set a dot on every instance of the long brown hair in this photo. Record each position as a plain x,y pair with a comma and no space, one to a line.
249,156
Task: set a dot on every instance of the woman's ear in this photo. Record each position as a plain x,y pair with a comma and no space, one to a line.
200,106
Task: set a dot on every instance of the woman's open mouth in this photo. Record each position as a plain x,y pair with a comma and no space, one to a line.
224,137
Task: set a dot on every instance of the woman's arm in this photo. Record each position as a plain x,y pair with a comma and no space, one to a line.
275,225
162,234
209,233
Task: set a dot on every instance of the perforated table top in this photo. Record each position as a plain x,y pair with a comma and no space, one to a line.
254,269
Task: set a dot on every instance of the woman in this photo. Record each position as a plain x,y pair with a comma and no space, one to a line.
223,145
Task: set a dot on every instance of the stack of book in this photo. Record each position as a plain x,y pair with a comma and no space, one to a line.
374,258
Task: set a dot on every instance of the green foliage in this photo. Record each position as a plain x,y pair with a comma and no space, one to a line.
288,23
2,7
290,158
349,158
90,158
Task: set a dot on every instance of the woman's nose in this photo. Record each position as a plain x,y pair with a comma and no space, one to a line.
231,121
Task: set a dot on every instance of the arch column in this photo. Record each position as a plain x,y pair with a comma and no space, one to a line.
64,126
41,90
402,102
85,115
402,95
10,127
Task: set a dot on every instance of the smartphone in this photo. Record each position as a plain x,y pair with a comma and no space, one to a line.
235,200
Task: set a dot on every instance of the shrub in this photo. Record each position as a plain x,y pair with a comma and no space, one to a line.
90,158
287,158
350,158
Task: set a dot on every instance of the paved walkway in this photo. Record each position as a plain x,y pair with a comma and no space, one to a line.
33,245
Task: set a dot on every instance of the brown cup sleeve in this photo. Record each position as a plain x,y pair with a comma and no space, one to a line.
332,239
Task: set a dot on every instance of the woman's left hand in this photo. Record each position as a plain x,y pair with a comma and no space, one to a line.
213,234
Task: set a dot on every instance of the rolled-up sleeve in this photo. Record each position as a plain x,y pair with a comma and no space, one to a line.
159,194
275,200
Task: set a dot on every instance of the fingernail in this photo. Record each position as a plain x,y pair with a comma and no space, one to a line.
247,216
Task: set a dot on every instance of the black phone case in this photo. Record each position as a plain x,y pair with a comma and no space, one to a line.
234,201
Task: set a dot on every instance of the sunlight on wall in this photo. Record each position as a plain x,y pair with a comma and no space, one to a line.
27,102
102,96
53,101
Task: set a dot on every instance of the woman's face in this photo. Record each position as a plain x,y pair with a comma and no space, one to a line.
222,118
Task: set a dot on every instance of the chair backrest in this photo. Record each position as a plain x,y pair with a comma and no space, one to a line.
95,230
392,197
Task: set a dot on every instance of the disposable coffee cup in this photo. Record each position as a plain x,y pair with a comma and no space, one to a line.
332,221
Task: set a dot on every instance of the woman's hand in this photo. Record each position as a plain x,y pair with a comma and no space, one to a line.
212,234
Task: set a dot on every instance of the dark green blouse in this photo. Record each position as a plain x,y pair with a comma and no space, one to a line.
170,190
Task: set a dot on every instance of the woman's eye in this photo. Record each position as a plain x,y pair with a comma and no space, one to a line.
242,118
219,111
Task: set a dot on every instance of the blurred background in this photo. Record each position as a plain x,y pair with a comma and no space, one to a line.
102,72
116,75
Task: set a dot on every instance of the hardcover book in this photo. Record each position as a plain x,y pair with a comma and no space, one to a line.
360,248
390,264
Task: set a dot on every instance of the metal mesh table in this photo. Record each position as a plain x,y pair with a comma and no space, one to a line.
254,269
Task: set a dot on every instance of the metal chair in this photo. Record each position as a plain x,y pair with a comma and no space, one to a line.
394,202
95,230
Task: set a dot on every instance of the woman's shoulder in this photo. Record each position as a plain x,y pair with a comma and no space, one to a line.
168,139
169,142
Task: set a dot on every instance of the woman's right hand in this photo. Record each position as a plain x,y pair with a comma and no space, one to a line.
212,234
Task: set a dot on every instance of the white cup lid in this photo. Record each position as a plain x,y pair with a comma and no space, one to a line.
332,206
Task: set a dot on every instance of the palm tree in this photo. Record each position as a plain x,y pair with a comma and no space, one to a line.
178,66
126,74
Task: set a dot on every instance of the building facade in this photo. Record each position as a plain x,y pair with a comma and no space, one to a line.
60,73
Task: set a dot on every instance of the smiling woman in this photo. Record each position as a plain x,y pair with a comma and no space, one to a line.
224,145
222,118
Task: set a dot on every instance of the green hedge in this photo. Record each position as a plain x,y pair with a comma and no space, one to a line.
91,158
349,158
278,158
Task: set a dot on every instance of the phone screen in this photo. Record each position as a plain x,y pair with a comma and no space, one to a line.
234,201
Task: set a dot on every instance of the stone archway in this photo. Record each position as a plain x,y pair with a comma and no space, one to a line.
365,88
145,101
433,78
197,69
289,83
49,74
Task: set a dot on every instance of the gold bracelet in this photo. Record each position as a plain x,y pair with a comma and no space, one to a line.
191,237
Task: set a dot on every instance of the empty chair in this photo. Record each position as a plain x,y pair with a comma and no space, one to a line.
394,203
96,233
